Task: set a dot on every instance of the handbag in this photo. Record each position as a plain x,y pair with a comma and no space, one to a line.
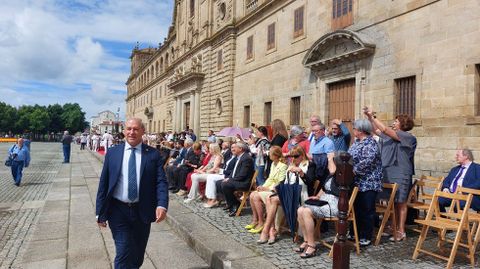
316,202
8,161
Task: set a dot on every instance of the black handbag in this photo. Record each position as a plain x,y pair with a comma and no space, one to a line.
316,202
8,162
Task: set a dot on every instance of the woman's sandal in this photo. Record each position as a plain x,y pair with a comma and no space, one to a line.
399,237
306,255
301,248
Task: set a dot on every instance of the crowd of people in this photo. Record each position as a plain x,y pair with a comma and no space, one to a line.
216,171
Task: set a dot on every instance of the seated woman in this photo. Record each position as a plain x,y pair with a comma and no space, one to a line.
259,197
300,169
200,175
307,213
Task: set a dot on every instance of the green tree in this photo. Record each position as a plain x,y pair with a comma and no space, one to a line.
8,117
39,120
73,118
56,124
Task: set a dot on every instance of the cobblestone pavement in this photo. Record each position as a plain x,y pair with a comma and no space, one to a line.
20,206
49,221
385,255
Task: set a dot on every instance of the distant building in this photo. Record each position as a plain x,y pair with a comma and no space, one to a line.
106,121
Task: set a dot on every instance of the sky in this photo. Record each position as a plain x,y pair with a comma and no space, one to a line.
75,51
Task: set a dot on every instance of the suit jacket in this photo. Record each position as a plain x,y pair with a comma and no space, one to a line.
227,155
153,189
192,158
471,180
245,169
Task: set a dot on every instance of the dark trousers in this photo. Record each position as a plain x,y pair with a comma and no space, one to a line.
365,213
66,153
443,203
17,168
181,174
229,187
82,146
130,235
170,173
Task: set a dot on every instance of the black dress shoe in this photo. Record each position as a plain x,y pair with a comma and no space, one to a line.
171,188
233,212
175,190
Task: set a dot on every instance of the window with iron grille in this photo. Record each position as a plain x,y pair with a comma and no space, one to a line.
477,88
220,60
246,116
298,22
295,110
250,47
405,95
342,15
271,36
192,8
267,113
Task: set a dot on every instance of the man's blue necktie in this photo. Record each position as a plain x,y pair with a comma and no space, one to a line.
132,176
453,188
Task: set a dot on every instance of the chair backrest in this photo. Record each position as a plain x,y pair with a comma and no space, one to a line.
465,190
434,209
352,200
431,178
253,180
425,188
393,190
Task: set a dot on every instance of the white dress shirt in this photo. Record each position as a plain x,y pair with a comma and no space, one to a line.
121,189
464,172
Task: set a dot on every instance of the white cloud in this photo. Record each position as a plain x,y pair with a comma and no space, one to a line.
50,47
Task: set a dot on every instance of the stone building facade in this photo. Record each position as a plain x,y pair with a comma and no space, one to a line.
229,62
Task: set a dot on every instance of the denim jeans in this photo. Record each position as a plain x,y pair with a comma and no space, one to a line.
17,168
66,153
261,175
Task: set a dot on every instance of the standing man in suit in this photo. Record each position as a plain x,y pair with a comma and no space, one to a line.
240,177
132,193
465,174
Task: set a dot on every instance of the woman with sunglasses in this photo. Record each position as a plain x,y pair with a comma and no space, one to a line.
300,169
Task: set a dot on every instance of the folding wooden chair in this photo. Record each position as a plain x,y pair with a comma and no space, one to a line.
473,218
440,221
421,193
245,194
387,210
351,217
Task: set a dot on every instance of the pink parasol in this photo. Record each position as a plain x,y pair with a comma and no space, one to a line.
234,131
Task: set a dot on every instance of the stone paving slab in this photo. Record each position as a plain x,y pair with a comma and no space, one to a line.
49,222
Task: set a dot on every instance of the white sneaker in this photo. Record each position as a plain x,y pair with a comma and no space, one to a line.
188,200
364,242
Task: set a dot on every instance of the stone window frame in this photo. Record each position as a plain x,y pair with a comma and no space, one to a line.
271,37
247,115
220,60
250,55
406,95
295,110
267,112
342,14
299,22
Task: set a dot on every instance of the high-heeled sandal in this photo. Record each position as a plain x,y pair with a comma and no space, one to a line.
251,226
306,255
399,236
272,237
301,248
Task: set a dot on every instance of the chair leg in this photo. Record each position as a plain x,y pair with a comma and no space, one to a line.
242,204
451,259
421,238
355,234
386,216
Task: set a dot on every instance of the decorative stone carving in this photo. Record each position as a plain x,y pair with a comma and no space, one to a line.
339,47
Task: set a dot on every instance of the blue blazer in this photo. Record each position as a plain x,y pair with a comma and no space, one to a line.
471,180
153,190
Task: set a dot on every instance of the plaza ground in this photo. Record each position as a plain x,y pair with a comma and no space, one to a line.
49,222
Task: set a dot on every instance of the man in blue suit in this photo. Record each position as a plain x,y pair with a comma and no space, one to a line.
132,193
465,174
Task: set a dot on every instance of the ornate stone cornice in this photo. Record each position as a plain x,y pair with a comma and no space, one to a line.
193,77
337,48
